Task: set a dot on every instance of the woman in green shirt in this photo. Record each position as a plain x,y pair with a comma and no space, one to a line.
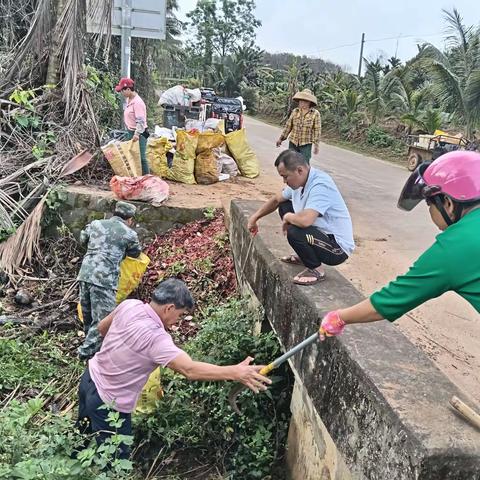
451,188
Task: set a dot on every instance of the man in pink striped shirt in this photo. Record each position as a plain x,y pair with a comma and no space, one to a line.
135,342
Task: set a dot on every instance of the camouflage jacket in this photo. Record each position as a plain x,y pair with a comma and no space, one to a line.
109,241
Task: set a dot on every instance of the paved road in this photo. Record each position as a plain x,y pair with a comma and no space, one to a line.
388,240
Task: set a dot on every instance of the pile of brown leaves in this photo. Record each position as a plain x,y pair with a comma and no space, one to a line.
198,253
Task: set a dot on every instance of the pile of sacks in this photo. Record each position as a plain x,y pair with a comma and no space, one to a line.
202,154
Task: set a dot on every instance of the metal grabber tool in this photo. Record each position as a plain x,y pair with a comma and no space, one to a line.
232,398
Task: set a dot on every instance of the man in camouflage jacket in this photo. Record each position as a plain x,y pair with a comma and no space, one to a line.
108,242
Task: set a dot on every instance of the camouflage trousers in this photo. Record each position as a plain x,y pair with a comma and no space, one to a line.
97,303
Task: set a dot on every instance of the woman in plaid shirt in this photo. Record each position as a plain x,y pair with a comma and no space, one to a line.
304,126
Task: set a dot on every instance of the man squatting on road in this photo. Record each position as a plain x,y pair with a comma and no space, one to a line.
315,217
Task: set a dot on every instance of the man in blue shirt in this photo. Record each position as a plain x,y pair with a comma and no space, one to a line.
315,218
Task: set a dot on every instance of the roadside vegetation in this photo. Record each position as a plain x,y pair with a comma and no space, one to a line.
193,433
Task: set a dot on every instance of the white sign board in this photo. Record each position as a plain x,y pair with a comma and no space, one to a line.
148,19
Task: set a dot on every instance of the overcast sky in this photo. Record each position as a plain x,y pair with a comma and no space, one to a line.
318,27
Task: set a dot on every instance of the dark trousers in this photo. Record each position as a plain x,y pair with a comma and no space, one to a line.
312,246
143,151
91,420
305,150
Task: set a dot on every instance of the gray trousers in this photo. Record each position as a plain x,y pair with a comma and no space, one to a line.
97,303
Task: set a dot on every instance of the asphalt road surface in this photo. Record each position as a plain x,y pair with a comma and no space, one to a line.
388,240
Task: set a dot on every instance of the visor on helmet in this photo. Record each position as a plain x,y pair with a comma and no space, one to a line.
416,190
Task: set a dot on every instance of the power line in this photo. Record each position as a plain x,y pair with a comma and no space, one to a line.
356,44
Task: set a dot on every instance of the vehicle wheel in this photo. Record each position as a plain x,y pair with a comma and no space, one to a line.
413,161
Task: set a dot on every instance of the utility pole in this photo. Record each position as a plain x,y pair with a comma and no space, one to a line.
126,37
361,56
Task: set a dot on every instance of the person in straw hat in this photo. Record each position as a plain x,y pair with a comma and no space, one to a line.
304,125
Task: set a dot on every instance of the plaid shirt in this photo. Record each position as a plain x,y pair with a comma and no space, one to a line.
303,128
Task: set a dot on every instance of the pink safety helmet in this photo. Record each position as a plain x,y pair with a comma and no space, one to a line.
455,174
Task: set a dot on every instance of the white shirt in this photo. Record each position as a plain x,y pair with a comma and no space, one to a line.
322,195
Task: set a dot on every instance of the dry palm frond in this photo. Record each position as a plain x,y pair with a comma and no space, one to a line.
21,247
101,9
34,46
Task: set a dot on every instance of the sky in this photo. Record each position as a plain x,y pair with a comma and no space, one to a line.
332,29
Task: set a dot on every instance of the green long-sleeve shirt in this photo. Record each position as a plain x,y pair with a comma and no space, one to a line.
451,263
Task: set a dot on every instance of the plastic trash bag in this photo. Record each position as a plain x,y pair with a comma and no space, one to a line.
168,133
227,164
148,188
151,393
183,166
131,273
175,96
206,168
242,153
157,149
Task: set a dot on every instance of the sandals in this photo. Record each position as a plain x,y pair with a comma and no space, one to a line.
291,259
308,272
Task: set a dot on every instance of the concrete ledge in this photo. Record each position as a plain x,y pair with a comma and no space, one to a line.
383,402
84,205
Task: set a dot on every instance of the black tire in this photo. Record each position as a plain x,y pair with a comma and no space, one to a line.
414,160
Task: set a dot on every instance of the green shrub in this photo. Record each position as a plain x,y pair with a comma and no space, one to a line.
40,445
250,98
198,415
377,137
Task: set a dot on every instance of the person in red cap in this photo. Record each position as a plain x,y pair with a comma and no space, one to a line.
135,118
451,188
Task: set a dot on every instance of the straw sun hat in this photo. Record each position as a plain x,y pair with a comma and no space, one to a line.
306,95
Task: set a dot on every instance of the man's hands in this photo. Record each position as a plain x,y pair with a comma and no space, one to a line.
252,225
331,325
136,137
249,376
315,149
279,142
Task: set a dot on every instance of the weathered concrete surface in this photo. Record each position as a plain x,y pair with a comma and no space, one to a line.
311,453
383,402
84,205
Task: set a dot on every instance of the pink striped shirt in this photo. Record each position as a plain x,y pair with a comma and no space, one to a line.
135,114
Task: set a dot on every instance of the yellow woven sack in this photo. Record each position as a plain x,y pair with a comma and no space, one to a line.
242,153
157,149
124,158
206,168
209,140
131,273
151,393
184,159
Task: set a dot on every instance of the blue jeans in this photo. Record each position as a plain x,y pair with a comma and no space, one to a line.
143,151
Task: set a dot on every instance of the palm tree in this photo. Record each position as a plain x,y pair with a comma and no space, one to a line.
456,74
378,89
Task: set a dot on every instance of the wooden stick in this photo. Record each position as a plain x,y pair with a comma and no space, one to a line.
465,411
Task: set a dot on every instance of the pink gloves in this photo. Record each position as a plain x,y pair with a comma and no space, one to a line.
331,325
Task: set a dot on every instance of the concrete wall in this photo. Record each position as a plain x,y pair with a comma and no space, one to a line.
367,405
84,205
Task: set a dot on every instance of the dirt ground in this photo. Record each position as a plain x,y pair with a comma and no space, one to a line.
220,194
446,329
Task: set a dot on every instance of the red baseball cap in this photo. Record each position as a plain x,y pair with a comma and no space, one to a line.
124,83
